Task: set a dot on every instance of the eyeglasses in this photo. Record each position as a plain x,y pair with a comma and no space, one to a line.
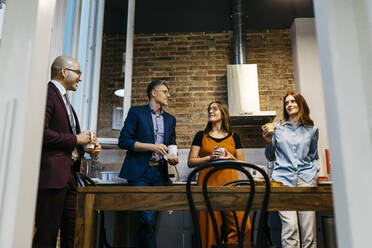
76,71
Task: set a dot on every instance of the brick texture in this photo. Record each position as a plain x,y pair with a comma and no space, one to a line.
194,64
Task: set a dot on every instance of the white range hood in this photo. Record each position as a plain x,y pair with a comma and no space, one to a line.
243,97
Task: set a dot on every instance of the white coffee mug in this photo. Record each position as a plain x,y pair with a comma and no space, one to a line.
90,146
223,152
172,152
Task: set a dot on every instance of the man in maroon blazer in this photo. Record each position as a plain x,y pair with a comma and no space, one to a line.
61,152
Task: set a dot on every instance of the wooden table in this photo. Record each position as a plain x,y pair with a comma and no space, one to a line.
91,199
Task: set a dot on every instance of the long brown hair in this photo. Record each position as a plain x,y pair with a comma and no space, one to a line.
303,109
225,117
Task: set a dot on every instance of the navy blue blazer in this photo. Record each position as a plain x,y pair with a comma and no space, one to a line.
138,126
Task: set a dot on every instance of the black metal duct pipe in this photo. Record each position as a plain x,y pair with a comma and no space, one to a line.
240,51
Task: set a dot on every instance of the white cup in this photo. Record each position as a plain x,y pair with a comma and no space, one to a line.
172,152
223,152
90,146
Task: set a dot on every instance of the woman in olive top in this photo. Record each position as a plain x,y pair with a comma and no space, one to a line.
206,147
293,148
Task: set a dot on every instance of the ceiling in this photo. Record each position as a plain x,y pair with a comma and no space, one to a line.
168,16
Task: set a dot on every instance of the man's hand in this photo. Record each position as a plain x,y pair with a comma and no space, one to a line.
94,141
172,161
160,149
97,149
83,137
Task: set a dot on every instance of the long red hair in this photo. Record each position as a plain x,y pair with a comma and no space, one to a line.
303,109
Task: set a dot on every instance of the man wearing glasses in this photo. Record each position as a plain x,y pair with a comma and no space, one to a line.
61,153
147,132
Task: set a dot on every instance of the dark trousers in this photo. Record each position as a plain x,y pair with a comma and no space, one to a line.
147,219
55,210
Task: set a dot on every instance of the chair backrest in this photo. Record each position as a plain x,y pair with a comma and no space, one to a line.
221,165
252,216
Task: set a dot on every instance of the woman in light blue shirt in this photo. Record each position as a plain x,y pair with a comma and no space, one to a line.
293,149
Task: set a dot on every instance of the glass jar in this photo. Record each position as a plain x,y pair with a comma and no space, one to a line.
93,166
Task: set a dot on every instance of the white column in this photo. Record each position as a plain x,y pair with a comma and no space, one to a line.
344,31
129,59
56,44
308,78
24,63
89,55
2,11
96,66
80,97
72,28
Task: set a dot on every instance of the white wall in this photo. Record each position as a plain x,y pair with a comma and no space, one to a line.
2,11
24,63
308,78
344,31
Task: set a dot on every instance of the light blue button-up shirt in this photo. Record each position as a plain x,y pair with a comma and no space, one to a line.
159,132
294,152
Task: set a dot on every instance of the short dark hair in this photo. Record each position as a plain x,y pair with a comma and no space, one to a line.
153,84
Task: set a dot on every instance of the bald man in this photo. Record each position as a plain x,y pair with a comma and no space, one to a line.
61,153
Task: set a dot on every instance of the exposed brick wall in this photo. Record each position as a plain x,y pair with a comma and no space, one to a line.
112,79
194,64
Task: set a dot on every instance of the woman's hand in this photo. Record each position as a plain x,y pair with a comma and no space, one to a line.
216,153
268,136
229,156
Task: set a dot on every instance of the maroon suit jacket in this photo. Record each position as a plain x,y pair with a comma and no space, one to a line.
58,142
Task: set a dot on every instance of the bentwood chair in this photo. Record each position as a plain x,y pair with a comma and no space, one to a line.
238,166
224,233
254,217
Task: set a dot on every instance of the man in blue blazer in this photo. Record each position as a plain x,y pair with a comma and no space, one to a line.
147,132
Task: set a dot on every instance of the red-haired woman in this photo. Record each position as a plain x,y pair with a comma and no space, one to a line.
293,149
206,147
